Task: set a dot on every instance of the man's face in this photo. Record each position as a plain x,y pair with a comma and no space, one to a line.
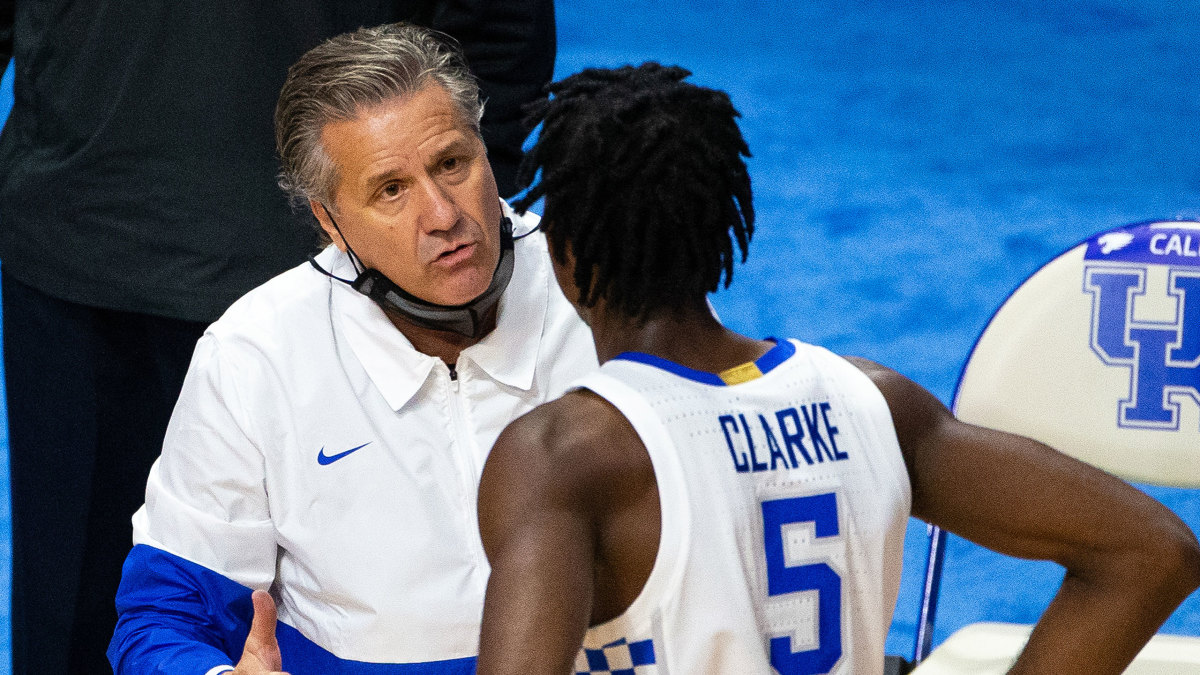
415,197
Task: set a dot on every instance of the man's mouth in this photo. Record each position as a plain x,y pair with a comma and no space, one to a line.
455,255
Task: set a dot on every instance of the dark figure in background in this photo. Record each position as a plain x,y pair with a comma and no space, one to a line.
138,199
708,502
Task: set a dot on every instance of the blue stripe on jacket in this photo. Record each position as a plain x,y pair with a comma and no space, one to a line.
177,617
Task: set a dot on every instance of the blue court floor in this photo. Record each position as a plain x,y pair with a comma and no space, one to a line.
913,163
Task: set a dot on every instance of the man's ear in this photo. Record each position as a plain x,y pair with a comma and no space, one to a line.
322,216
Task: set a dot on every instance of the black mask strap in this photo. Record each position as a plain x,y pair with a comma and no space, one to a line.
519,237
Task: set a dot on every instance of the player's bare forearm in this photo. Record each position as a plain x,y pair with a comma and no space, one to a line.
1130,561
1097,626
1121,583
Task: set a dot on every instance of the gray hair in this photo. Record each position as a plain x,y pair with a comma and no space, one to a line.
339,78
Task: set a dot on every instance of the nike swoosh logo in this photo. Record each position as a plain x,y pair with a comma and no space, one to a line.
324,459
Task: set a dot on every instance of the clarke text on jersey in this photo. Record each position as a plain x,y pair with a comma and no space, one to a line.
778,441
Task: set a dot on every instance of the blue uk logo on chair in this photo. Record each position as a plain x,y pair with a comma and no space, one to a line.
1099,352
1161,350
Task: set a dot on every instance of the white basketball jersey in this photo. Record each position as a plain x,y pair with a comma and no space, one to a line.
784,503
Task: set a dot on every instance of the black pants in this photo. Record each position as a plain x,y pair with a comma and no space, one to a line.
89,395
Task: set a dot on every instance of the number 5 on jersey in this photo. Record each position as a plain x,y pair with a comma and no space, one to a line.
821,511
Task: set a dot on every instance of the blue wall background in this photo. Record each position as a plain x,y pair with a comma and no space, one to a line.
913,163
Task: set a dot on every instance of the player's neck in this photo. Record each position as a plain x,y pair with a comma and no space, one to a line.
690,338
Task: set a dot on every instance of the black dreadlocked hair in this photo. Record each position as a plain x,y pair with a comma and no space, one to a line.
644,179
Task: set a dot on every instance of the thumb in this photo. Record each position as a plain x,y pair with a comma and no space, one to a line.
261,653
262,628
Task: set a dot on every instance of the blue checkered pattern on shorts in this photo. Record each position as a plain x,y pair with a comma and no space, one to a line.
617,658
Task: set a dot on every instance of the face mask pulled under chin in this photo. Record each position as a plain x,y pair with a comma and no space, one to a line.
468,319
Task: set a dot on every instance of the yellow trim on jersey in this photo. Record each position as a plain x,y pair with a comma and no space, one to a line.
739,374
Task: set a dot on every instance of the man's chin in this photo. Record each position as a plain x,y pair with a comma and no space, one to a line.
462,291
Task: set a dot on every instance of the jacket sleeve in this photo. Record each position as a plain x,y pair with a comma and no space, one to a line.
204,538
176,617
510,46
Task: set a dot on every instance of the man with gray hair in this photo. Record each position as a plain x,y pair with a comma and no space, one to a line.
333,423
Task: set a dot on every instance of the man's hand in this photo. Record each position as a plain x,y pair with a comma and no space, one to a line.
261,655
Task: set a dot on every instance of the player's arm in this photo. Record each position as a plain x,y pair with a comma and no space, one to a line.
1129,561
549,488
538,531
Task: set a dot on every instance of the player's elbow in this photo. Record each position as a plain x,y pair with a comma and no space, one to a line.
1169,561
1186,553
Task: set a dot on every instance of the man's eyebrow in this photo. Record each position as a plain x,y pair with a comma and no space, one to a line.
384,176
455,147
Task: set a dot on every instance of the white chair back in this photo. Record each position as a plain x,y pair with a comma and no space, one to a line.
1098,355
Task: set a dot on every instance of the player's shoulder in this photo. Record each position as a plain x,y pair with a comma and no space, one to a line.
579,439
873,370
917,414
898,390
578,422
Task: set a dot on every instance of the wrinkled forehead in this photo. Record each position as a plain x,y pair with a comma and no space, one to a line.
424,121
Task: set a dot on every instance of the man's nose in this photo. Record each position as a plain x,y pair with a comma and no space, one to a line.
439,211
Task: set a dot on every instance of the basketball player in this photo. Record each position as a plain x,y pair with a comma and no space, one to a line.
712,503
